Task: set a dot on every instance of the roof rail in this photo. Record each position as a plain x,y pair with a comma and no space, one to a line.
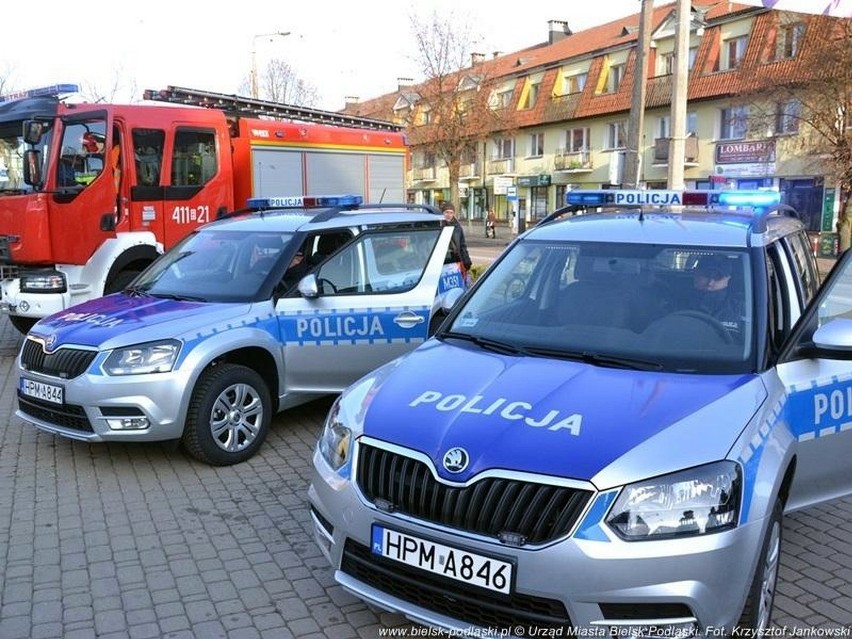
240,105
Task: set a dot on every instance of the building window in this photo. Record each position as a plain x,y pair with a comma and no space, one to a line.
616,137
531,96
574,83
734,51
693,54
504,99
504,148
614,77
536,145
577,140
787,118
733,123
789,40
664,125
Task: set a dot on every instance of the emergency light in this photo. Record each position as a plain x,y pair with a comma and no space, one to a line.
304,201
40,92
618,197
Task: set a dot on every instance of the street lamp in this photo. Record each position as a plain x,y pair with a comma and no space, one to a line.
253,75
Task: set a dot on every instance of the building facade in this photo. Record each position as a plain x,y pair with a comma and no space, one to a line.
571,97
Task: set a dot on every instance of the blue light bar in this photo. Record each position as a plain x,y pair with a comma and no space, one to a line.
304,201
628,198
53,90
758,199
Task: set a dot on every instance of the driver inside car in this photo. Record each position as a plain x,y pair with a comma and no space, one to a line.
713,293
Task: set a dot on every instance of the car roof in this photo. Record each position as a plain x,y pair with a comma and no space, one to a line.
303,219
693,227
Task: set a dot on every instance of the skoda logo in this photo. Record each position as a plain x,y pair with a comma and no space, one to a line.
456,460
50,342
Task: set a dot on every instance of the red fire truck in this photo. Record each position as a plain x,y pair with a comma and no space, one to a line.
92,193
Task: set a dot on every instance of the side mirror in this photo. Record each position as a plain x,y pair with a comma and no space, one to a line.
308,286
33,131
835,337
450,299
32,168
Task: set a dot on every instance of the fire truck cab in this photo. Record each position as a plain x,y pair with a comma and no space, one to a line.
92,193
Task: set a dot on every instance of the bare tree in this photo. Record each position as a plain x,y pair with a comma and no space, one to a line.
809,91
121,88
279,82
452,112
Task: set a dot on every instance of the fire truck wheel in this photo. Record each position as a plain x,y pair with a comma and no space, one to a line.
228,416
22,324
120,282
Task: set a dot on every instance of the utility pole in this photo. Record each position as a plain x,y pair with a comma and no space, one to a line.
677,140
636,122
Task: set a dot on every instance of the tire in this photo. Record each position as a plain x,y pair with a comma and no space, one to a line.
761,593
228,417
22,324
120,282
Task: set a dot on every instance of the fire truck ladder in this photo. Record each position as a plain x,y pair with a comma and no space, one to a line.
239,105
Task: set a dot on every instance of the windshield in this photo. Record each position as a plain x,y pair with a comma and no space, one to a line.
214,266
654,307
12,147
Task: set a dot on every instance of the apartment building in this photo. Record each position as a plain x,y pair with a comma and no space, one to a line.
571,98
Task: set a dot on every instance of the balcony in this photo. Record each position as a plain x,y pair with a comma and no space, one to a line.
661,151
572,161
470,171
501,166
423,174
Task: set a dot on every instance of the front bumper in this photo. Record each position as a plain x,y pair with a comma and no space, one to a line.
95,403
676,587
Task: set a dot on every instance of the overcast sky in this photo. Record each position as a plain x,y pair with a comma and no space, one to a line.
342,47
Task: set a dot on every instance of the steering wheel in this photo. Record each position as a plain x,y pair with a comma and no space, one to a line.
709,320
514,288
321,282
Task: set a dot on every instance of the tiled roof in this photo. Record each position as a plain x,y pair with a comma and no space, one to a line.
706,81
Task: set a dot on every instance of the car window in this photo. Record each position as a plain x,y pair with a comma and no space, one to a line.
663,304
378,262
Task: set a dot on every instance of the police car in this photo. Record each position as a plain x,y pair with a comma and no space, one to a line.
589,444
243,318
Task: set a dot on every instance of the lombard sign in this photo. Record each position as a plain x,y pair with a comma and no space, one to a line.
745,152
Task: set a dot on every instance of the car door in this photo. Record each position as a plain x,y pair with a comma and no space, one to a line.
816,371
374,301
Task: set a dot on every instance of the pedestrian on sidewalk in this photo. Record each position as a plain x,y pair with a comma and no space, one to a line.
450,219
491,224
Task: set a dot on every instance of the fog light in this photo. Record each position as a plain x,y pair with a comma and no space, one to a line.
128,423
657,628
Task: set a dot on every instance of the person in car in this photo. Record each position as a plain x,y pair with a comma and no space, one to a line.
713,294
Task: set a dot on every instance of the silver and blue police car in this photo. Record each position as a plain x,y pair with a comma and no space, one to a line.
603,436
243,318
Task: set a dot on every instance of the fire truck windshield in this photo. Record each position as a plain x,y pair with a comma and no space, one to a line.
12,148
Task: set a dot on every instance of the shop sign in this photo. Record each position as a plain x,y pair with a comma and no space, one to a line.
745,152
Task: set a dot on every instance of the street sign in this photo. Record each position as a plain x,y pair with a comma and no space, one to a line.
512,192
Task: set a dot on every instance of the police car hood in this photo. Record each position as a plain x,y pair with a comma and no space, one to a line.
555,417
120,319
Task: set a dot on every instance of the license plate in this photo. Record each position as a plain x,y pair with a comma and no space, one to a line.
461,565
39,390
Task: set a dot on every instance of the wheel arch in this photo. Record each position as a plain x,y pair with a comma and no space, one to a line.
135,258
257,358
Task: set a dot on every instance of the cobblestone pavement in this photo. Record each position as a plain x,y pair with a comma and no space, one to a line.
138,541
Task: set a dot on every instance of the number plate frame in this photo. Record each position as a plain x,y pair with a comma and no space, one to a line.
436,557
40,390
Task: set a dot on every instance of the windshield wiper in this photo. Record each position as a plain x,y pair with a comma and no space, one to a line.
610,361
484,342
136,291
179,298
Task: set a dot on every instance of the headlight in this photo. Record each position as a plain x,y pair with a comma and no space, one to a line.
153,357
47,281
335,439
698,501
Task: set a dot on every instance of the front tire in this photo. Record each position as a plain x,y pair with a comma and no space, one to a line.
228,417
22,324
761,593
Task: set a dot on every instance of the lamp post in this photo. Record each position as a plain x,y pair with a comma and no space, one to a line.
253,75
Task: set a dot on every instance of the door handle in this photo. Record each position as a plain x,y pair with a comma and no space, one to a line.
408,319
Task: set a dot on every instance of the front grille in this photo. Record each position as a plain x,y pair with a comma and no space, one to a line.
451,598
66,363
65,415
537,512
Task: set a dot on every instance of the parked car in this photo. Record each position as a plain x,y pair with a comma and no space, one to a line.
597,440
246,317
